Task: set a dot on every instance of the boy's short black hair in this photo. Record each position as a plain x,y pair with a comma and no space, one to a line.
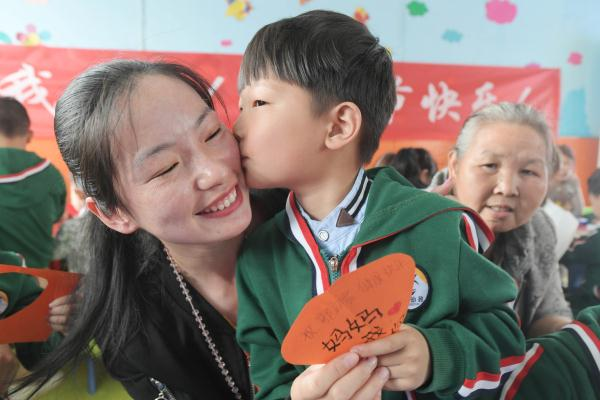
336,59
14,120
594,183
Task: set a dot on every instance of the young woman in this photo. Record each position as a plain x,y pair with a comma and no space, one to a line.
163,177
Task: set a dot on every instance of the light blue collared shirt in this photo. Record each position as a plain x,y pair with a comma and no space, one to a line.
333,239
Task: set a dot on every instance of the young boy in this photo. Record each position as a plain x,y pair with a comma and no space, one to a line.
316,92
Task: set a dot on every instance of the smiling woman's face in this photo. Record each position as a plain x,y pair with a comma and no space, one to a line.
178,167
503,174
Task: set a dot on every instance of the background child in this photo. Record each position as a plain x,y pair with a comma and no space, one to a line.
32,191
583,259
316,92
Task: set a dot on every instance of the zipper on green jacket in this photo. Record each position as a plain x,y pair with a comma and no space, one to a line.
334,265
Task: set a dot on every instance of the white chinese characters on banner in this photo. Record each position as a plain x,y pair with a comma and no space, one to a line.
440,104
400,98
524,94
484,95
25,85
216,84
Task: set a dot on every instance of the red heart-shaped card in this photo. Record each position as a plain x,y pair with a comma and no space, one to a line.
365,305
31,323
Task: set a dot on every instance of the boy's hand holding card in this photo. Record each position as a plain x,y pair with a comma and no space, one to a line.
366,305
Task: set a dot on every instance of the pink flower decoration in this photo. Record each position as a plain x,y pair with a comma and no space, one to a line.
501,11
226,42
575,58
533,65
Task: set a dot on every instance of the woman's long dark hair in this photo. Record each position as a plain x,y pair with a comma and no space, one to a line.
107,307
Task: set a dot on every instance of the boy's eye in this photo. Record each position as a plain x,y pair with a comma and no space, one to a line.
258,103
213,135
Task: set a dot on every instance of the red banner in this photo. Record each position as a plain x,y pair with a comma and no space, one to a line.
432,100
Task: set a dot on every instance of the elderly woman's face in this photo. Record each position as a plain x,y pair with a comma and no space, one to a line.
503,175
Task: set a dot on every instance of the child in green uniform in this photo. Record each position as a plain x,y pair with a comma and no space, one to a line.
316,92
585,257
561,365
32,191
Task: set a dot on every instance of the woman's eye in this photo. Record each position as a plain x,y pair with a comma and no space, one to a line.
258,103
529,172
213,135
166,171
489,167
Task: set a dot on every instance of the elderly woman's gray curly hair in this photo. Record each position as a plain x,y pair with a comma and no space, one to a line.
505,112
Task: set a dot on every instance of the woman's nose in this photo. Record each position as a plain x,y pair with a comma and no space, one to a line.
508,184
211,173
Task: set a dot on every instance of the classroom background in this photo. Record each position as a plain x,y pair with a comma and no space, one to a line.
460,36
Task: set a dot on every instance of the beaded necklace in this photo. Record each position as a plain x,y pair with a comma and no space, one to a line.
205,333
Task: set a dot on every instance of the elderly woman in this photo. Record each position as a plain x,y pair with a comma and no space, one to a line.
500,167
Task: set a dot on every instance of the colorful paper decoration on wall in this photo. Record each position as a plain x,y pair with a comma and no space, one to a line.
4,38
452,36
417,8
533,65
239,9
501,11
31,37
361,15
575,58
360,307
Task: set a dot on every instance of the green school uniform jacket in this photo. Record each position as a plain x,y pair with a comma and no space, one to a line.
32,199
16,292
587,255
459,304
562,365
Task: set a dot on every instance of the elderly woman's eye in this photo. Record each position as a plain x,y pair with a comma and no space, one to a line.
529,172
489,166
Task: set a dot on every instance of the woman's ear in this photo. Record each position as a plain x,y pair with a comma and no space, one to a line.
118,221
452,164
346,121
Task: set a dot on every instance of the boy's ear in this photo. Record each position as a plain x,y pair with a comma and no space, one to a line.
118,221
346,121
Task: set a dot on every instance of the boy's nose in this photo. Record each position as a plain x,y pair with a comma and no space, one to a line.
238,130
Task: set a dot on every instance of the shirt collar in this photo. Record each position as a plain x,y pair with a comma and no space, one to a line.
346,212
